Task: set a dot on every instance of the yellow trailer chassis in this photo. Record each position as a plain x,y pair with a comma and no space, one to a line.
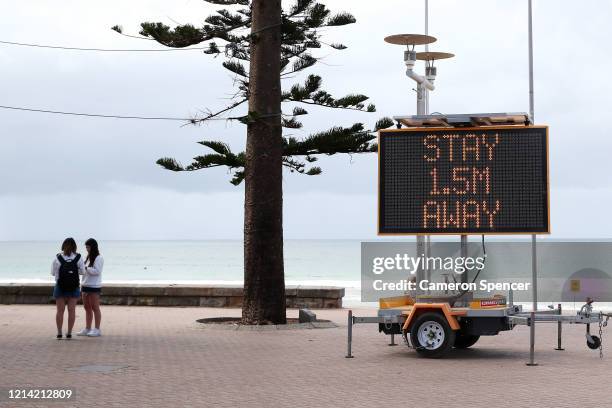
435,329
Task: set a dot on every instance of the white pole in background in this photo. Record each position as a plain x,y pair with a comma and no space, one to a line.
422,109
534,252
428,242
426,50
531,98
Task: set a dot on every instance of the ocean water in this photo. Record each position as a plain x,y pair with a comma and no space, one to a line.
307,262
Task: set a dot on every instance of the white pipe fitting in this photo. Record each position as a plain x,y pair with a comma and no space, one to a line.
419,79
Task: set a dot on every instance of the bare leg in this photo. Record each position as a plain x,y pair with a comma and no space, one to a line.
60,305
95,306
88,310
71,313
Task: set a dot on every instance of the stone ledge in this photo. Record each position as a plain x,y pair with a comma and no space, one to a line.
313,297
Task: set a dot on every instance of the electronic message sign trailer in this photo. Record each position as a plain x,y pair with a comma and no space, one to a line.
482,180
464,180
456,179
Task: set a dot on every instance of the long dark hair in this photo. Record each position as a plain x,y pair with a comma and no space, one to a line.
69,246
94,251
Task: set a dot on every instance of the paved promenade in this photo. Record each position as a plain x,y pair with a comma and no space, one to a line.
159,357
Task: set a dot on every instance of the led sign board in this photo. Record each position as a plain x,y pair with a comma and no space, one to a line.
484,180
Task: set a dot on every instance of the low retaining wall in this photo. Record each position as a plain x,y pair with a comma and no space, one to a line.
314,297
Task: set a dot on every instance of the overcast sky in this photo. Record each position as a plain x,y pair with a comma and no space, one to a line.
85,177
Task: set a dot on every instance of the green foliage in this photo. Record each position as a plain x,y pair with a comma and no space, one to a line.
340,20
227,33
235,67
311,93
297,154
291,123
338,46
179,37
316,15
170,164
383,123
229,2
298,110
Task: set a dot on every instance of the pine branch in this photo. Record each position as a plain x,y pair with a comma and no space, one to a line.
229,2
340,19
220,112
302,63
338,46
383,123
297,154
170,164
217,147
179,37
226,33
291,123
298,110
219,25
310,93
316,15
300,7
235,67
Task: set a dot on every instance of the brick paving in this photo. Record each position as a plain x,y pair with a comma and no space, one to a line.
159,357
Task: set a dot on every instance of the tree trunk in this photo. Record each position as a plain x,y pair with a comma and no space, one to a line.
264,279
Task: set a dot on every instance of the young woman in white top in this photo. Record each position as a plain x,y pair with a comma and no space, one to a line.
91,287
66,268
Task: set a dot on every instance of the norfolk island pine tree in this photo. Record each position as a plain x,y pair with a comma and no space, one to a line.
275,43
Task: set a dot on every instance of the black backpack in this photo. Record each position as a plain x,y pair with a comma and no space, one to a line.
68,279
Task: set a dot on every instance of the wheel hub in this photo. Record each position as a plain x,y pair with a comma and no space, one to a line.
431,335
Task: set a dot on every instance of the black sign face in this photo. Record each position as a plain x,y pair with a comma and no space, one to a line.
463,181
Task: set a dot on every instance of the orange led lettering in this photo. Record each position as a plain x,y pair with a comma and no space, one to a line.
470,143
490,144
431,142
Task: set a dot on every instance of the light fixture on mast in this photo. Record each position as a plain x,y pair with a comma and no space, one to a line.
424,82
430,58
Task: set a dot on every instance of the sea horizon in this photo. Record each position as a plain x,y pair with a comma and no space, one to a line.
308,262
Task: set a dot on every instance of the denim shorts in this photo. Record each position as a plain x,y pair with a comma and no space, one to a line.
59,293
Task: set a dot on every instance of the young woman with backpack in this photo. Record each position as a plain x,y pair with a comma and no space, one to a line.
66,268
91,287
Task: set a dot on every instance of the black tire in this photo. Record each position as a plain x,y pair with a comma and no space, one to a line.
435,327
463,341
596,343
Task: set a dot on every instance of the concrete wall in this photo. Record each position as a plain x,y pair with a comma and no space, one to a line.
175,295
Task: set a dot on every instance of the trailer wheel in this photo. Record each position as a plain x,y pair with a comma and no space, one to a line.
431,335
595,344
463,341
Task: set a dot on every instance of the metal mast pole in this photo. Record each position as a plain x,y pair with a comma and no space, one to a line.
463,254
531,98
428,242
427,50
420,240
422,243
534,252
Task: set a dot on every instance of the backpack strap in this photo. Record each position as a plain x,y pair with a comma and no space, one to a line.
63,261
